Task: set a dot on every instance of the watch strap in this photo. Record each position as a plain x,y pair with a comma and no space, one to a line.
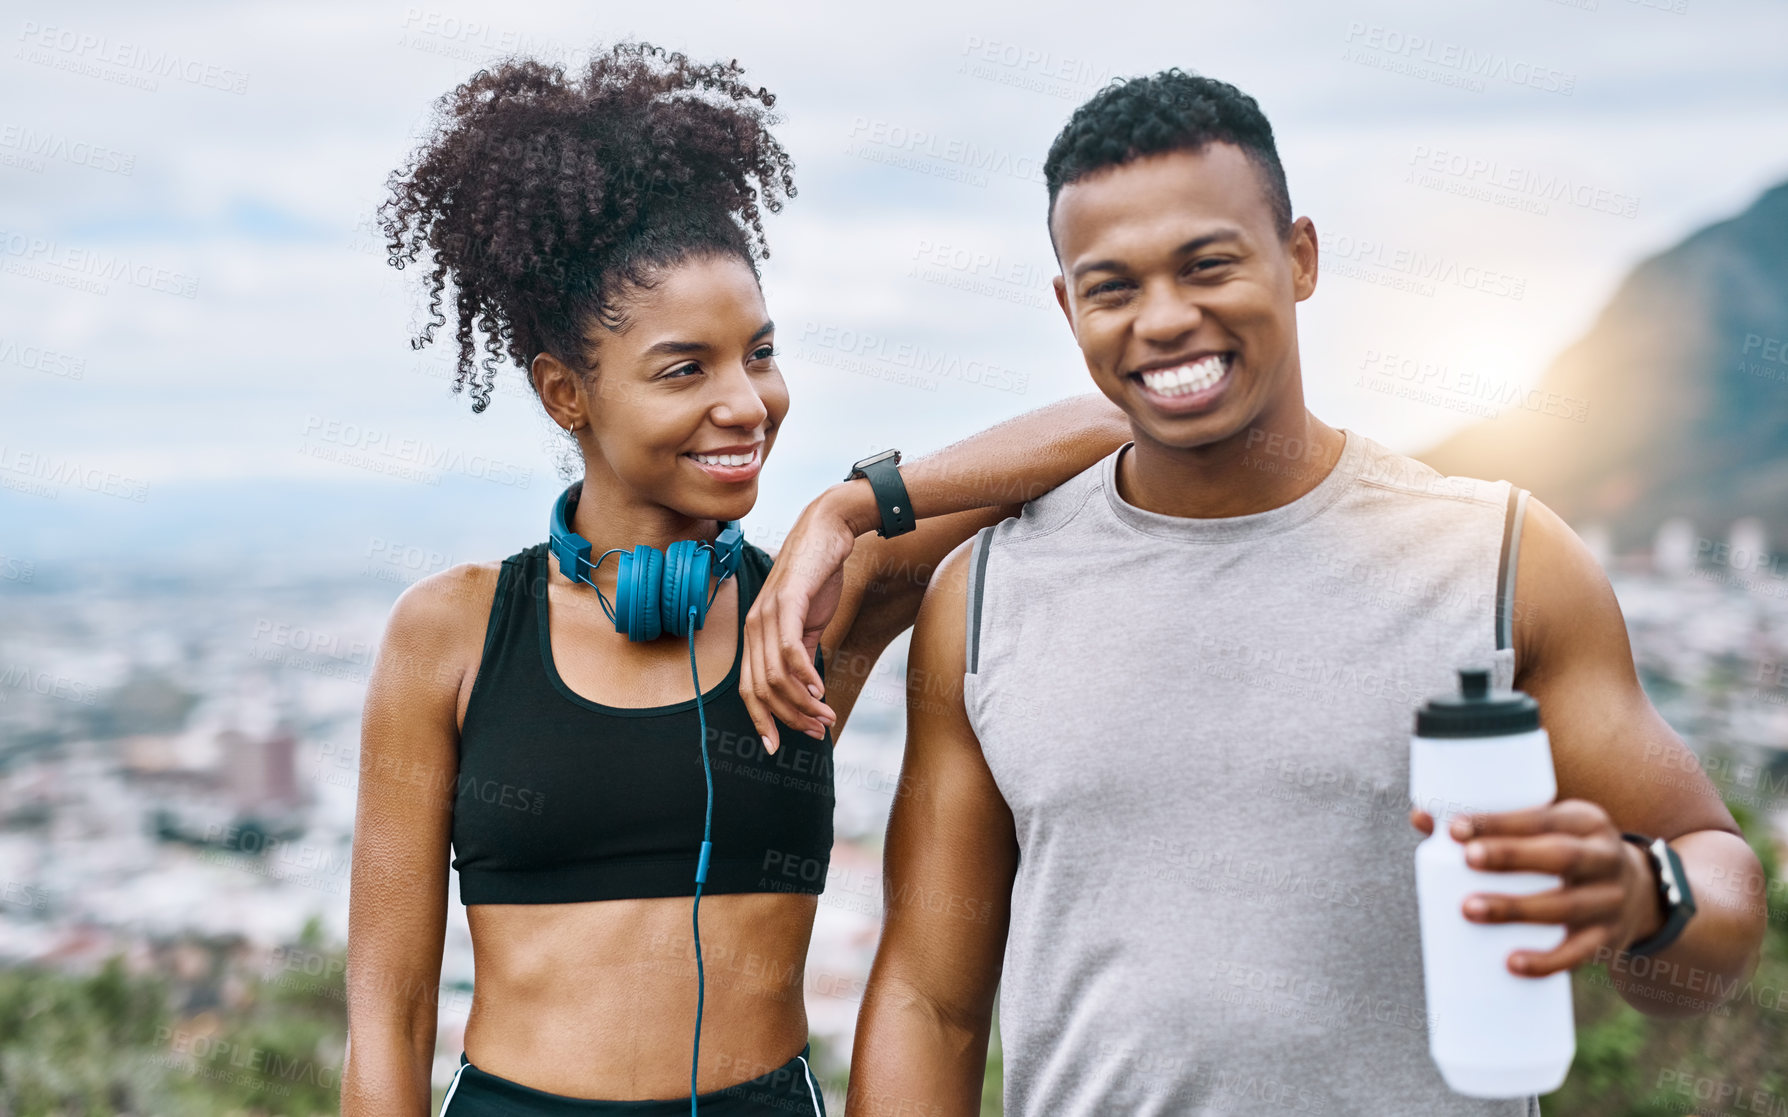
1668,867
890,497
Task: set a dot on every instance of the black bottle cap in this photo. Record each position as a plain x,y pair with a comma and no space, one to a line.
1477,711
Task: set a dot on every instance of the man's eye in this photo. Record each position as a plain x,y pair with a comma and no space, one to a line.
1104,288
675,373
1211,261
764,353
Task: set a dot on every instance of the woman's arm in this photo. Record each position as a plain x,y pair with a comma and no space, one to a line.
397,906
839,587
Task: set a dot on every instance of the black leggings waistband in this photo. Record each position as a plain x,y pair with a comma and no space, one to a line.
788,1091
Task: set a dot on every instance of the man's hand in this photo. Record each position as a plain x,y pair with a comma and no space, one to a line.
793,607
1608,897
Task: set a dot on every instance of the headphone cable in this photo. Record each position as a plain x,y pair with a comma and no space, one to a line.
701,865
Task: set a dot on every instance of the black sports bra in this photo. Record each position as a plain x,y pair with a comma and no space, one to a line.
561,799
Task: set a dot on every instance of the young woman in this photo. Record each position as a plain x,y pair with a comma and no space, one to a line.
603,234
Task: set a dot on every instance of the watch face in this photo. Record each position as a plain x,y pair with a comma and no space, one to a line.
881,457
1679,893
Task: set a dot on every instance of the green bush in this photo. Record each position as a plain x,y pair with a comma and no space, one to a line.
112,1045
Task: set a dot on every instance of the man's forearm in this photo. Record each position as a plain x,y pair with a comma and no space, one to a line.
1011,462
907,1059
1718,950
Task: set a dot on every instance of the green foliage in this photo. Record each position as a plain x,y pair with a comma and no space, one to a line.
993,1083
112,1044
80,1045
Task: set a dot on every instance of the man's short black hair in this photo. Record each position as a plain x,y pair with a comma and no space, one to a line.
1168,111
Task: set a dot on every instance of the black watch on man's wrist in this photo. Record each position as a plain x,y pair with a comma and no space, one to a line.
883,473
1673,894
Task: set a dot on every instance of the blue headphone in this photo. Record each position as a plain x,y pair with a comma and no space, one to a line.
660,594
654,591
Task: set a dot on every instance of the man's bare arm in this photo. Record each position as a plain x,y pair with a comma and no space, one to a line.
951,856
1620,768
1613,748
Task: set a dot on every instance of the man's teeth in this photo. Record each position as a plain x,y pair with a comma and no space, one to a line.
1182,379
726,459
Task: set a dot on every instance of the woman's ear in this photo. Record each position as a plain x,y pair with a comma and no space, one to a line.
557,386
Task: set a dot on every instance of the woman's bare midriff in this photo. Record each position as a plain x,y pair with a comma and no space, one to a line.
597,999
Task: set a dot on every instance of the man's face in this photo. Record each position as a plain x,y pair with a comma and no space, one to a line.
1181,293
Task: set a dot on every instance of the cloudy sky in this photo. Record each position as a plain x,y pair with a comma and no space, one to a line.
196,322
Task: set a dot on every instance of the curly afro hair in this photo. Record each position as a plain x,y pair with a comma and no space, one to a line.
545,200
1168,111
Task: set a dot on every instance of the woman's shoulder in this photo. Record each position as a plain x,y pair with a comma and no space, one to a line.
455,603
444,601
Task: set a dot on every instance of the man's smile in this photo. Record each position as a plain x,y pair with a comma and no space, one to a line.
1187,385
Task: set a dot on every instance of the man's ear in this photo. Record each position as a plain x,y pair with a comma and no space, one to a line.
1302,245
1061,299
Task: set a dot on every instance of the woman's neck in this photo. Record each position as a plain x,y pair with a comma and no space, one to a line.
610,519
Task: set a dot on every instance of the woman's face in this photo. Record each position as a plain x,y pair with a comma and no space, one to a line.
687,398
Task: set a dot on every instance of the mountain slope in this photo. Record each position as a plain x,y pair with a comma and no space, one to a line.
1686,377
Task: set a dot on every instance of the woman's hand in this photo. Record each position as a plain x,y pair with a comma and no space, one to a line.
793,607
1608,896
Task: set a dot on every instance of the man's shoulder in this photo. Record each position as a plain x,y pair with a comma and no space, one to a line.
1383,471
959,581
1053,510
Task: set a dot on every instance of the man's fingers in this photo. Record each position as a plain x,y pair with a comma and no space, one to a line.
1421,820
1572,816
1573,906
1566,855
1579,946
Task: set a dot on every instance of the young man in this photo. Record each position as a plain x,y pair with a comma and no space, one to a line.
1158,736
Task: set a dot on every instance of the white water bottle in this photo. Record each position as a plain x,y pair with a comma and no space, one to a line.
1492,1033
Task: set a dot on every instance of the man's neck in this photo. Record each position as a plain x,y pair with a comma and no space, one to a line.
1264,466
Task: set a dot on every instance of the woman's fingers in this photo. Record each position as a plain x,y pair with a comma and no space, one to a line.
805,687
780,692
788,678
750,680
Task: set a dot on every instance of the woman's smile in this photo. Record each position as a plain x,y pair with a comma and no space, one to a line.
731,464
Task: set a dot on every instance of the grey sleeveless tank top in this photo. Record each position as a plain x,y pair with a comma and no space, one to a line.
1202,729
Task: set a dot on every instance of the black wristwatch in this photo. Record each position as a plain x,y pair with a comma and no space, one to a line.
883,473
1673,893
